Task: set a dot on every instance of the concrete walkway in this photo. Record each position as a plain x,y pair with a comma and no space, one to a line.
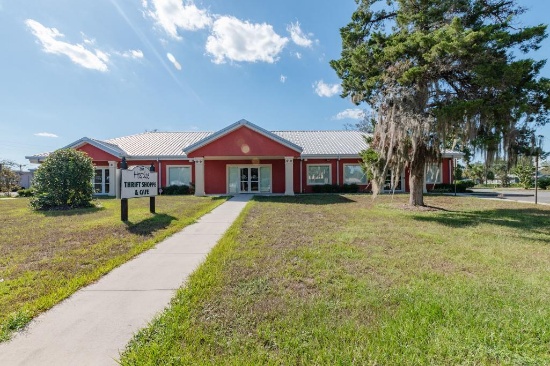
95,324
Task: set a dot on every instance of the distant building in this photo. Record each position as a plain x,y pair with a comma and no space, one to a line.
25,179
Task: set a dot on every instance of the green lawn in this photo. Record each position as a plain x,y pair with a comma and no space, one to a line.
345,280
46,256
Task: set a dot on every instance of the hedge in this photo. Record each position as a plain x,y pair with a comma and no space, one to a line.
177,190
335,188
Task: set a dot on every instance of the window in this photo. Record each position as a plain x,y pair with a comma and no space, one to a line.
179,175
318,174
101,181
433,173
354,174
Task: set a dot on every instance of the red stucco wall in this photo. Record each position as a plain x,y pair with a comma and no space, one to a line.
97,154
243,142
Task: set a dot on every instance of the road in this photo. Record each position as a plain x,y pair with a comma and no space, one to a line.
513,194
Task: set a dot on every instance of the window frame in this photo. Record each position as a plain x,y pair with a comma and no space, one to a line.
319,184
344,174
188,166
105,171
439,177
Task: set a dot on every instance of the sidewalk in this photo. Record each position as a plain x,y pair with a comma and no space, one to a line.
94,325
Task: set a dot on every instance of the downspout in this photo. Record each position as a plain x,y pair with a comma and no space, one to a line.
451,171
159,176
301,180
338,171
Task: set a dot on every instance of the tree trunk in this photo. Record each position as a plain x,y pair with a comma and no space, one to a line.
416,178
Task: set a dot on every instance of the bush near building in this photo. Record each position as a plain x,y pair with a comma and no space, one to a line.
64,181
336,188
178,190
543,183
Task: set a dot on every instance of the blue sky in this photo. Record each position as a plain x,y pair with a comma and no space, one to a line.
109,68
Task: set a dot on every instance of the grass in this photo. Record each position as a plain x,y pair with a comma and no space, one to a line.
47,256
344,280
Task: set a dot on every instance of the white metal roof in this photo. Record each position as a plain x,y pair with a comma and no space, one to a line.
326,143
323,143
158,144
172,144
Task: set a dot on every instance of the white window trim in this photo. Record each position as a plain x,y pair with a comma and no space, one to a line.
104,168
227,166
178,166
344,173
319,184
439,175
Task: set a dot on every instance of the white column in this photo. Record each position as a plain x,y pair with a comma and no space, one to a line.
289,176
112,178
199,177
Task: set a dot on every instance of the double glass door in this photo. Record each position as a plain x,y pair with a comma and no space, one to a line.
249,179
391,179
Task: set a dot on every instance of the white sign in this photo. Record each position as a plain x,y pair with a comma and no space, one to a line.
137,182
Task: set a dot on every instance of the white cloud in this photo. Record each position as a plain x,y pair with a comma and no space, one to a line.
172,15
298,55
173,61
235,40
354,113
298,35
80,55
283,79
45,134
87,40
132,54
326,90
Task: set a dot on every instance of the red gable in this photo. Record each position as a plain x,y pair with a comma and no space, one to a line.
243,141
97,154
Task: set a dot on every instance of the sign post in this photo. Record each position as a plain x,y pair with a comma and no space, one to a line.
152,198
123,201
136,182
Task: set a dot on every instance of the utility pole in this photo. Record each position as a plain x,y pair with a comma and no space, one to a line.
538,151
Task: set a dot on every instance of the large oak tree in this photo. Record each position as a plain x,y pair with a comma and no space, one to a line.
437,71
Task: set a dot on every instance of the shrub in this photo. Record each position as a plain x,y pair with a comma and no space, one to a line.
25,192
335,188
543,183
177,190
461,187
64,181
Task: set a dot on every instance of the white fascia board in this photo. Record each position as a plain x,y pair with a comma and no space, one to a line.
87,140
452,154
335,156
241,157
35,159
155,157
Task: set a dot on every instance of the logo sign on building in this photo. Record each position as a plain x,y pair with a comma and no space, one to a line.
138,181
